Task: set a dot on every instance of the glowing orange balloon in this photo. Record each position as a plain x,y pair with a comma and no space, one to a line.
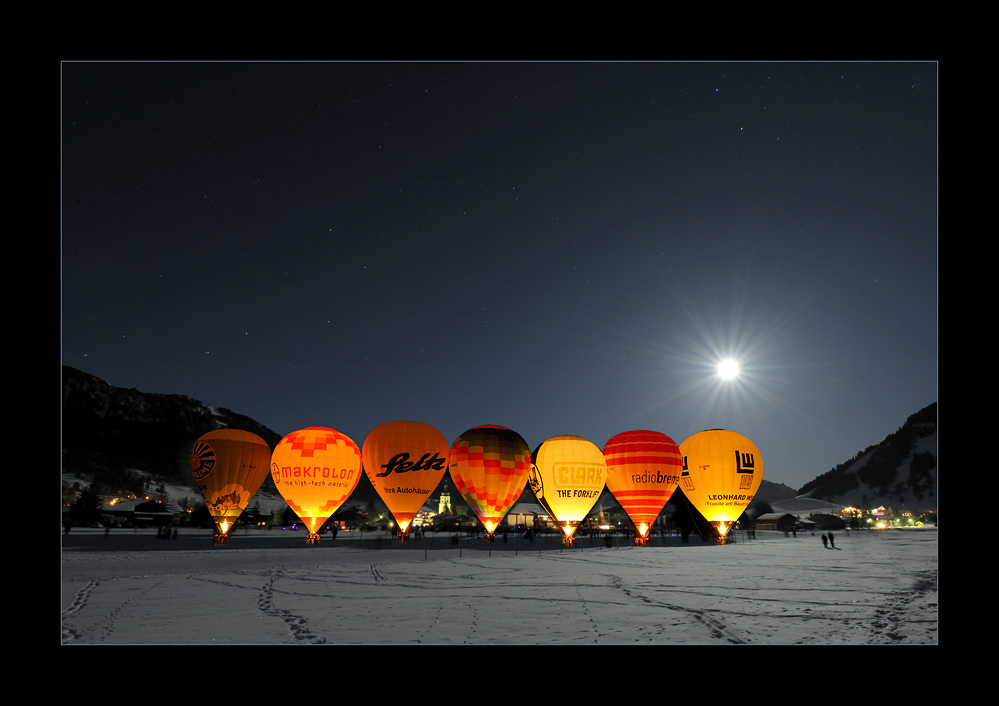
643,468
315,470
567,477
722,471
228,466
489,467
405,462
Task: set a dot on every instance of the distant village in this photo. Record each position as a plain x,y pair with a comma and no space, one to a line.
447,512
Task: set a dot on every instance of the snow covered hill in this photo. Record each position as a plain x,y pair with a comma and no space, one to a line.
900,471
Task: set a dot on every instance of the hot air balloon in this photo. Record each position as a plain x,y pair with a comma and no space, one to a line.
489,467
643,468
315,469
722,471
568,474
405,462
228,466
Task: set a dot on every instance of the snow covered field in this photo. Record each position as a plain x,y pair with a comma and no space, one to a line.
873,588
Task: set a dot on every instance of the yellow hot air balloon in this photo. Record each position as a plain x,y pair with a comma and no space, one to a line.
722,471
567,477
228,466
643,468
315,469
405,462
489,467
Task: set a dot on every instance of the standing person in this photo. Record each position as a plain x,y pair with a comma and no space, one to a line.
825,541
831,543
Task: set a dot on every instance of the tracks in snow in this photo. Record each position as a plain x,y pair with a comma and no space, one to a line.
104,626
906,612
297,624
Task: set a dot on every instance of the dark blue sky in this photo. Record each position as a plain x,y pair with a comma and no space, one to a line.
558,247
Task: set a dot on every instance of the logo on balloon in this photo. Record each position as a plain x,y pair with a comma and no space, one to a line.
744,465
400,463
653,478
537,483
581,476
202,460
686,482
317,475
570,480
226,504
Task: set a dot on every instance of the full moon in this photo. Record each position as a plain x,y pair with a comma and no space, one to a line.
728,369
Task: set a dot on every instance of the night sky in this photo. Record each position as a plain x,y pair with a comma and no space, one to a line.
555,247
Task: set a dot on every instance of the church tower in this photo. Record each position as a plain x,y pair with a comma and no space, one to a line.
444,506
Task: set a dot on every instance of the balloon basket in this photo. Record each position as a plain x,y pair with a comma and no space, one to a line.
313,538
642,541
567,540
220,539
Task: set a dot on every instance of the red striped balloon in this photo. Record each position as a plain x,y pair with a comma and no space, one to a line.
643,469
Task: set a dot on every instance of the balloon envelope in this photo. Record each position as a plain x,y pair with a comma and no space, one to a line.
228,466
405,462
567,477
721,473
315,469
489,467
643,469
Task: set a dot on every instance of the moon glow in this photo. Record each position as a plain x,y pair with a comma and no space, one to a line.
728,369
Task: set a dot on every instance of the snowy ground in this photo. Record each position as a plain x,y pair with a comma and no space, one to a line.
271,588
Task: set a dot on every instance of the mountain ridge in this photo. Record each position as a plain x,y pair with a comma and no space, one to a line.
107,430
900,470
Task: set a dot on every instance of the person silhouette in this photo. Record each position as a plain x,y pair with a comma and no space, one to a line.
825,541
831,543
